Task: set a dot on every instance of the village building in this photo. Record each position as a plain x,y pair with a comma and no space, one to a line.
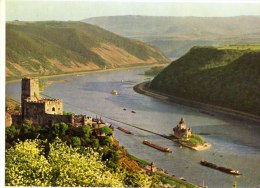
181,131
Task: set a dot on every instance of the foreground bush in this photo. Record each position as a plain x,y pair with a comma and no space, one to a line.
37,163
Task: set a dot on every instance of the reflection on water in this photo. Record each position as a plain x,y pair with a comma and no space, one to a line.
235,144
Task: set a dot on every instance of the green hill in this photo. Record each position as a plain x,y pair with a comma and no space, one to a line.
176,35
225,76
47,48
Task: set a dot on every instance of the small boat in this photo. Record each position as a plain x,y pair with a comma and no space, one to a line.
163,149
114,92
124,130
133,111
220,168
124,109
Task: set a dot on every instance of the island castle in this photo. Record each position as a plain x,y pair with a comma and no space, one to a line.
181,130
43,111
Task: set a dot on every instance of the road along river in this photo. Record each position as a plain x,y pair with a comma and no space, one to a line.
235,143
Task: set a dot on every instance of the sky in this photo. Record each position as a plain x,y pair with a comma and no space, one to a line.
64,10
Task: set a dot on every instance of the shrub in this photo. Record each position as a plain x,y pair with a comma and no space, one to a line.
106,130
25,166
86,131
95,143
63,166
75,141
59,129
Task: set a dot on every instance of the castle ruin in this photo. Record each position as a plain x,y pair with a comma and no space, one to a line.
43,111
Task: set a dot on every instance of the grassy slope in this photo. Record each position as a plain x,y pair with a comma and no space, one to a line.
46,48
176,35
227,76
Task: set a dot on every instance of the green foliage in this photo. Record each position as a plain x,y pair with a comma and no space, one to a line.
107,141
64,166
28,164
25,166
197,137
206,74
11,133
137,179
86,130
110,157
140,161
67,113
75,141
95,143
59,129
106,130
173,181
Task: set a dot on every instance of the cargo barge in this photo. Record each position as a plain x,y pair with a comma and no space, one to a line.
124,130
163,149
220,168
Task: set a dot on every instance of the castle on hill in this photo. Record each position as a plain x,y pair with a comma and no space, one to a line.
181,131
43,111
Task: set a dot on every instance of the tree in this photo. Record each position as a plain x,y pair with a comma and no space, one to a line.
95,143
25,166
86,131
137,179
106,130
64,166
74,169
59,129
75,141
11,133
29,164
107,142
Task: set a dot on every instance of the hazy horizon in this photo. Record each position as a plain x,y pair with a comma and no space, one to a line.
24,10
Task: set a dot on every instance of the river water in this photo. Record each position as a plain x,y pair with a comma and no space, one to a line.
235,143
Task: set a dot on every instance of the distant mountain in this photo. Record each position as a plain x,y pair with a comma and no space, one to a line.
227,76
176,35
47,48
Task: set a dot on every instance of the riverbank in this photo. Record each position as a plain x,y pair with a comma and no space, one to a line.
88,72
212,110
201,147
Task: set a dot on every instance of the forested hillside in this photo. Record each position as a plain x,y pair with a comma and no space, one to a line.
47,48
226,76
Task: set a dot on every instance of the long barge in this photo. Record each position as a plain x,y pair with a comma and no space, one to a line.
163,149
220,168
124,130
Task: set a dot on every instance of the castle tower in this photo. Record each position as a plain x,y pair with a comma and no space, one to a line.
30,89
182,124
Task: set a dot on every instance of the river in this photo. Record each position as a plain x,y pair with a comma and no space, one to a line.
235,143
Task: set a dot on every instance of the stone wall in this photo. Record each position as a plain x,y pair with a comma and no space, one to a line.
16,119
33,110
53,106
50,119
